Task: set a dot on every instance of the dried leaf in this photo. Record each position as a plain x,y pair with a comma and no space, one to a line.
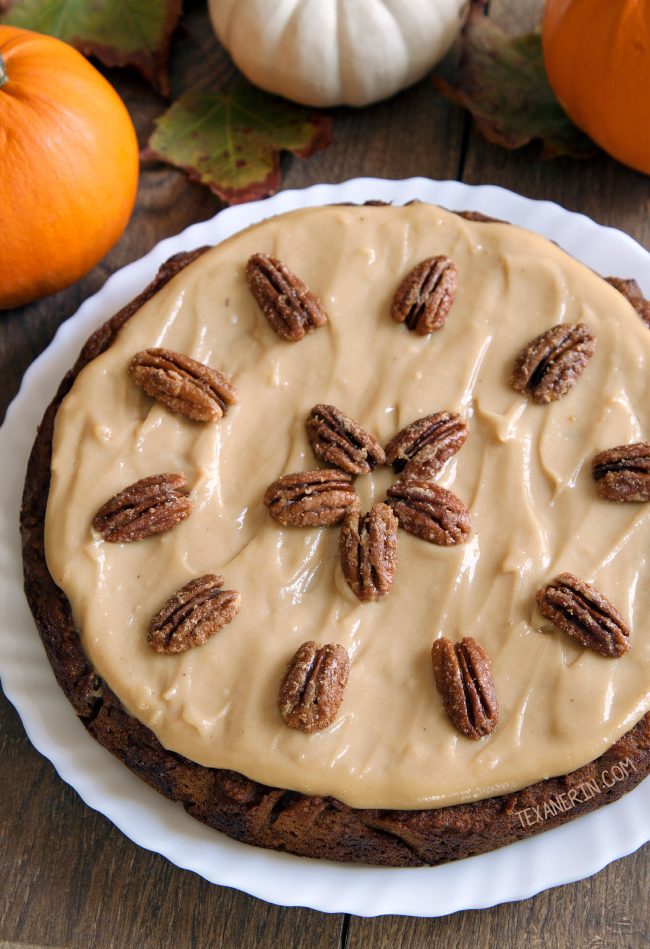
502,81
232,141
118,32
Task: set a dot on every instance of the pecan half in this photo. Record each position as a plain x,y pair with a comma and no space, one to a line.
194,614
312,689
424,297
182,384
150,506
579,610
552,363
311,498
634,295
368,549
463,676
623,473
430,511
421,449
339,440
290,307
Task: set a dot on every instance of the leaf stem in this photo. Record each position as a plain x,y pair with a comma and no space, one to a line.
3,71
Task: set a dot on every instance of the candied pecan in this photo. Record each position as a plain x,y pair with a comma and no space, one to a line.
634,295
182,384
368,548
150,506
339,440
464,679
421,449
553,362
312,688
311,498
579,610
192,615
424,297
429,511
623,473
290,307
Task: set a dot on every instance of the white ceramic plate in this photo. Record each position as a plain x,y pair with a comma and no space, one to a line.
569,853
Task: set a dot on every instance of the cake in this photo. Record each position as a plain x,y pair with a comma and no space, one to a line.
521,528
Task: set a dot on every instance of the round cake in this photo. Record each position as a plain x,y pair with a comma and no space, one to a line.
338,534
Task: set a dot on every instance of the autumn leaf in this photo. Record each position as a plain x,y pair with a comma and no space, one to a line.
118,32
502,82
232,141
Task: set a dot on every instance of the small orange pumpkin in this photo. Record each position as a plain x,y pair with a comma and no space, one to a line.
68,166
597,56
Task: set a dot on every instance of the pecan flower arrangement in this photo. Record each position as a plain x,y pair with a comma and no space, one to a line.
326,497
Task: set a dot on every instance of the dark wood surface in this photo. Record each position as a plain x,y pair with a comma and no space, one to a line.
68,878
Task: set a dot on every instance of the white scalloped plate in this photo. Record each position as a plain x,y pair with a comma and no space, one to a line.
569,853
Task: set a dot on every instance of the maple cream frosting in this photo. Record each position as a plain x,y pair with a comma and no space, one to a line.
524,472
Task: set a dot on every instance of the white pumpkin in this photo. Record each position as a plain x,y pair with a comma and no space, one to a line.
336,52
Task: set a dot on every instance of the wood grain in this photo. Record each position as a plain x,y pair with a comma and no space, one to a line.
68,878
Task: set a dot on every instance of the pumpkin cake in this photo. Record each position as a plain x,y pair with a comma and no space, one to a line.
338,535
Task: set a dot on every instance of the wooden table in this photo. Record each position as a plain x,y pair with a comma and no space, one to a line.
68,878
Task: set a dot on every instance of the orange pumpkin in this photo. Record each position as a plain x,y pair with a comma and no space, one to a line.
597,56
68,165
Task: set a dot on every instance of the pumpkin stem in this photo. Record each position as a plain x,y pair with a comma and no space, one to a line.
3,71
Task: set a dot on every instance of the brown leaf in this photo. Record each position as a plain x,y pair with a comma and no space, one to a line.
118,32
502,81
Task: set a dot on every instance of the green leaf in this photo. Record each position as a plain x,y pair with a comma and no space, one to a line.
232,141
502,82
118,32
